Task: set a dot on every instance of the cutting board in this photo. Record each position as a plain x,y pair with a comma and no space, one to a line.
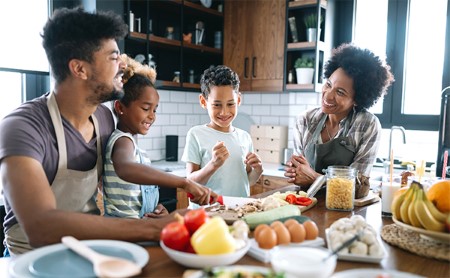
230,215
369,199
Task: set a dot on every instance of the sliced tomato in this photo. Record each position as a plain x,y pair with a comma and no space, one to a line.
303,201
291,199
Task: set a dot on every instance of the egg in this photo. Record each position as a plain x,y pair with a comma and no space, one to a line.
283,235
289,222
258,229
311,230
276,223
297,232
266,238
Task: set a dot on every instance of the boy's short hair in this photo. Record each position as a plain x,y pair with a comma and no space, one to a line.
218,76
77,34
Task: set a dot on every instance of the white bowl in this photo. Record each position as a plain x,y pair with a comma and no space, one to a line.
302,261
201,261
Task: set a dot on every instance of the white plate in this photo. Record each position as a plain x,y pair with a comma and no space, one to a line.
202,261
445,237
264,256
206,3
19,266
358,258
374,273
233,269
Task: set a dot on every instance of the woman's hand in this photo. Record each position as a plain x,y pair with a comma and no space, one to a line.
299,172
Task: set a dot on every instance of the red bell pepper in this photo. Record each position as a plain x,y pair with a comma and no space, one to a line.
291,199
303,201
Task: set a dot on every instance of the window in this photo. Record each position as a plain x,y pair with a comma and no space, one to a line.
415,41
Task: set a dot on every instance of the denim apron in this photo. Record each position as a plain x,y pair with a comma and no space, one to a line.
337,151
74,190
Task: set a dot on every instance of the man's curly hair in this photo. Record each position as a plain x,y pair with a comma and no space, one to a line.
371,75
218,76
135,77
76,34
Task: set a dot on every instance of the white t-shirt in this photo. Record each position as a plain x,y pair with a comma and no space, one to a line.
231,178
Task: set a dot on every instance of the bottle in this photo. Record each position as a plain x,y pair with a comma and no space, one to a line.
131,21
191,76
176,77
290,77
340,188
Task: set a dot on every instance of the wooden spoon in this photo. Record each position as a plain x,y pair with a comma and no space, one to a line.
104,266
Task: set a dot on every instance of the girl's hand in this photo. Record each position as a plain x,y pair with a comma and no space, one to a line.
160,211
200,194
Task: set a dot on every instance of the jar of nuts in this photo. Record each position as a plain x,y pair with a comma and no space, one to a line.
340,187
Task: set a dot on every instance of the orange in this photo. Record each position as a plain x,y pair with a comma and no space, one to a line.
439,194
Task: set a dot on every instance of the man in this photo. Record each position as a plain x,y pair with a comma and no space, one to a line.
51,147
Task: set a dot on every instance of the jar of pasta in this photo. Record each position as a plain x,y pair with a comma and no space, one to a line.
340,187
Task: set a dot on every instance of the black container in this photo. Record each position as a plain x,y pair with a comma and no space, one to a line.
171,147
444,133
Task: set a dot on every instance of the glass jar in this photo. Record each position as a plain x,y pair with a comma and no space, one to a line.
340,187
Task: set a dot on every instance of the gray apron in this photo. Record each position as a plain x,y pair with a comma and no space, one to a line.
337,151
73,190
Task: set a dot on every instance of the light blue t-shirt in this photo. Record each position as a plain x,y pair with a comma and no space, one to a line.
231,178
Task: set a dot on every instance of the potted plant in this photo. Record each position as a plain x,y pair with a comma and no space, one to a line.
304,68
311,27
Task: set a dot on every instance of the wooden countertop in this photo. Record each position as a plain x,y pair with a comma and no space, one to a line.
397,259
160,265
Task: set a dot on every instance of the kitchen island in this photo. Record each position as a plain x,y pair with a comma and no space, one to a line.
160,265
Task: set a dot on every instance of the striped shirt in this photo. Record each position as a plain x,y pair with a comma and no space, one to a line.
122,198
364,133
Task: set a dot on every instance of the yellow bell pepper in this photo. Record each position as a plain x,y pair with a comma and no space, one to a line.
213,238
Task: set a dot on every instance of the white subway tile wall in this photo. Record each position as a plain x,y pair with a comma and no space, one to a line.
179,111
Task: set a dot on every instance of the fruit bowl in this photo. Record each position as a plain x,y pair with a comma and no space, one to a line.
439,236
202,261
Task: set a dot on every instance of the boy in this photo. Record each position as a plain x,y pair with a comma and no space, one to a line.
217,154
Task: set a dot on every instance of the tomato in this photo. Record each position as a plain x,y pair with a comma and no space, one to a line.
175,235
193,219
291,199
303,201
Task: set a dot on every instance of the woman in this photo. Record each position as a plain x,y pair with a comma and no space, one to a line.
342,131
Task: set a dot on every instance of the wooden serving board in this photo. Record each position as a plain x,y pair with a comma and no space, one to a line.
230,215
369,199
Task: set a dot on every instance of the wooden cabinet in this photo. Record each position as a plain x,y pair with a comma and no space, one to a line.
318,49
182,199
268,183
254,34
159,28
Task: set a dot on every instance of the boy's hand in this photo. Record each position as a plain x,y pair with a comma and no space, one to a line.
253,161
219,154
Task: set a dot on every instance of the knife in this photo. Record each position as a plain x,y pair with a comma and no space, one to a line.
229,201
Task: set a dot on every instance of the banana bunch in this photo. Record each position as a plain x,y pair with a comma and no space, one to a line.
413,208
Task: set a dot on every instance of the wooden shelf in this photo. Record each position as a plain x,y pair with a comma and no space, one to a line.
202,8
304,3
304,87
191,85
202,48
155,39
164,83
305,46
